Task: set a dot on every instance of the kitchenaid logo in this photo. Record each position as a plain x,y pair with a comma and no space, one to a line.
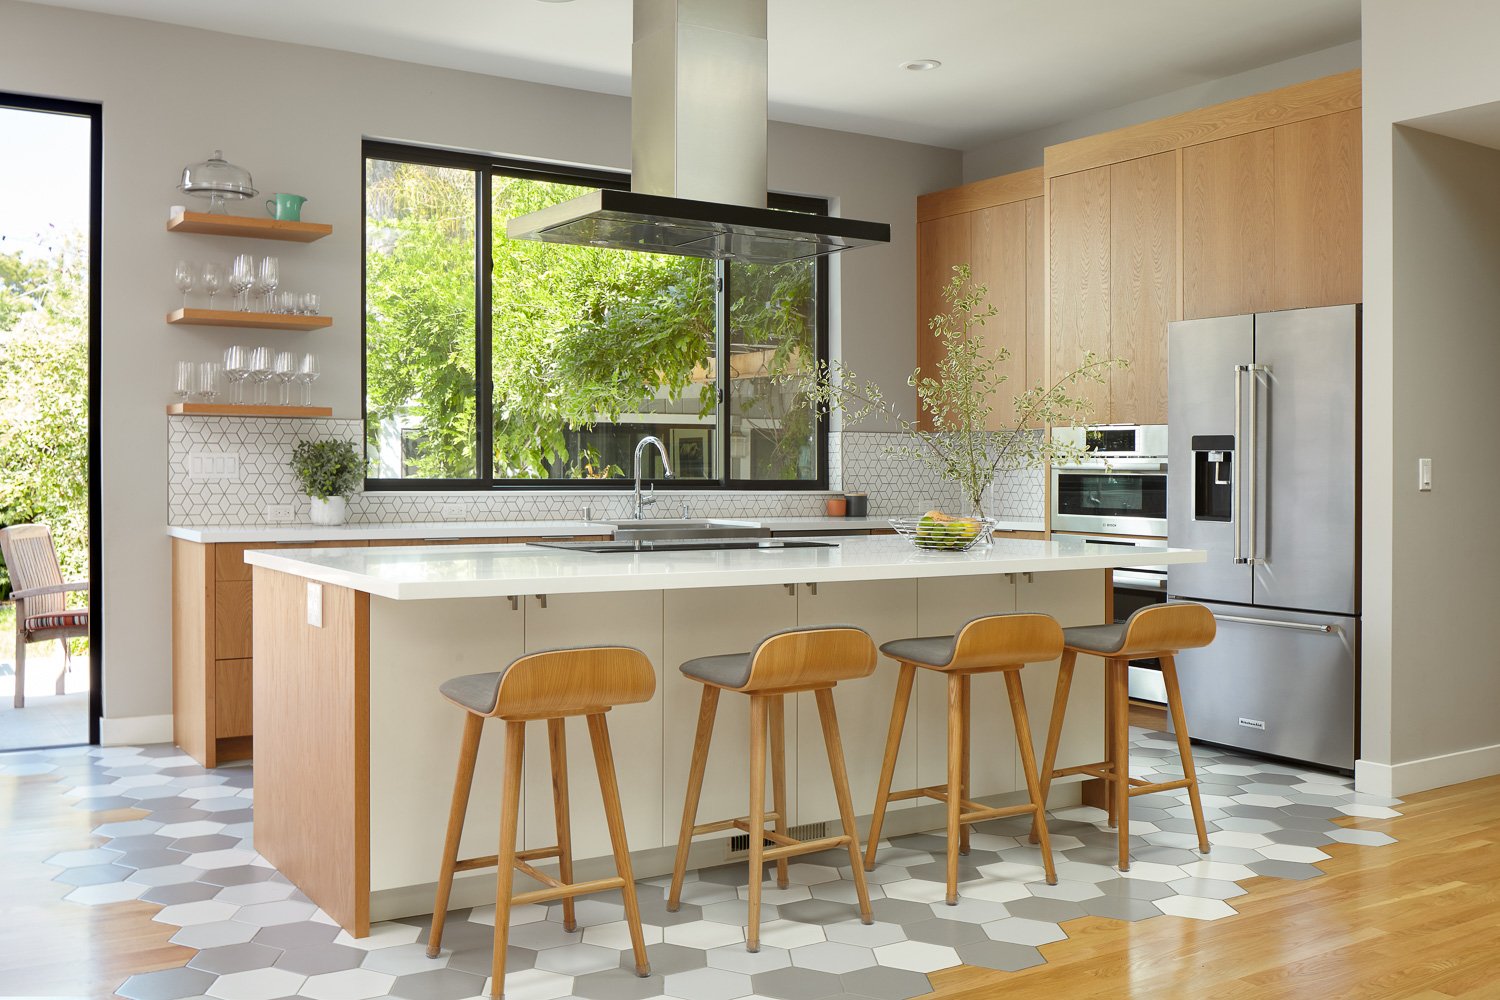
1253,724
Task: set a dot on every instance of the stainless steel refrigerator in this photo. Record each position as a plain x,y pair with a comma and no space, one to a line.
1263,415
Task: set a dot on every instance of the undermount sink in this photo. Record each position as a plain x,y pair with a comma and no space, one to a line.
666,527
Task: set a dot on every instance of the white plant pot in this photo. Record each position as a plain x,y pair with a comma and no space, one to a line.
334,510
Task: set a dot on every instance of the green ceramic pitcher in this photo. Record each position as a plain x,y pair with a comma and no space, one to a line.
286,207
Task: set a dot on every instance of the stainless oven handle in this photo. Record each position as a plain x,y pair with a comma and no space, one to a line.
1299,626
1239,465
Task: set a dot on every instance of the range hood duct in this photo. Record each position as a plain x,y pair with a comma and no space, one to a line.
698,150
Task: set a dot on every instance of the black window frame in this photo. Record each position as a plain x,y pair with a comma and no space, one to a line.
485,167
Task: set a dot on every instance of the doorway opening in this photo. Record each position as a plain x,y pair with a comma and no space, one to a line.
50,202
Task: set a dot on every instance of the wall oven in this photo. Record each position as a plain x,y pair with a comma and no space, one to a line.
1120,488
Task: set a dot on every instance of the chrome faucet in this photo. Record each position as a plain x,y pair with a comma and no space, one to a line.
642,502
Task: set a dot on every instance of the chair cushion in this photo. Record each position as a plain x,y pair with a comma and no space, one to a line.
933,650
73,618
730,670
1096,638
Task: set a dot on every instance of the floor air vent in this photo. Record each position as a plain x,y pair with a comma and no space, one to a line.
739,844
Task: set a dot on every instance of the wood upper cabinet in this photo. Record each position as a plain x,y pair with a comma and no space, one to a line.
1078,220
998,256
941,244
1319,229
1143,284
1228,225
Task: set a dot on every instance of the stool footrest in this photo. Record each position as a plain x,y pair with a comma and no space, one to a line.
493,860
983,813
1146,788
532,873
567,891
740,823
800,847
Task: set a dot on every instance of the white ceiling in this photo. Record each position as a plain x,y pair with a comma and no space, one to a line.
1009,66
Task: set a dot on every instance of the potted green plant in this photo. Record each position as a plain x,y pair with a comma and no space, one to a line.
957,396
328,472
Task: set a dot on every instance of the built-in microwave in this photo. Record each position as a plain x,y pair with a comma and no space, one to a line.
1120,488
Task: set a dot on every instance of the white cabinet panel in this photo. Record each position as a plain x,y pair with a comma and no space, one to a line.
887,609
414,647
1075,598
632,618
943,605
704,623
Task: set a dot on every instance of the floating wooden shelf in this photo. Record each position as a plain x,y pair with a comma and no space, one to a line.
205,224
250,320
246,410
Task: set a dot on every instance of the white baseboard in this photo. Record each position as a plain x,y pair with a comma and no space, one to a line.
135,730
1396,780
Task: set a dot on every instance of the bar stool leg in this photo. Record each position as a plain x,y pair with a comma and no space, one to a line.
1121,756
778,779
468,752
954,795
707,709
1111,805
1054,732
888,766
510,812
757,818
829,717
558,747
1184,746
609,789
1017,697
968,721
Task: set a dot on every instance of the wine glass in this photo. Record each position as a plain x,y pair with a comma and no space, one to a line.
260,371
270,277
213,279
285,369
241,277
208,380
184,276
187,381
308,373
236,367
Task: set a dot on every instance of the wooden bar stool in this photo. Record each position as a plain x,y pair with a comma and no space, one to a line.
802,659
1003,643
551,686
1154,632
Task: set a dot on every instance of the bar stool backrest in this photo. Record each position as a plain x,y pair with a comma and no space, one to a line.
996,640
811,657
570,681
1169,627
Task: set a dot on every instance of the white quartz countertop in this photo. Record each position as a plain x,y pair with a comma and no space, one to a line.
440,530
454,571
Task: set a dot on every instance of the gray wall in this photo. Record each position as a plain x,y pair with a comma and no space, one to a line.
1020,152
295,116
1429,673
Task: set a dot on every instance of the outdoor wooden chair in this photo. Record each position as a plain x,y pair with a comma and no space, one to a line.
40,594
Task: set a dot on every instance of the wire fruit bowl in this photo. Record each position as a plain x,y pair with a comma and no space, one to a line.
945,534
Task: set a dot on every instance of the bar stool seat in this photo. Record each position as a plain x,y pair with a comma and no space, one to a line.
1158,632
987,644
801,659
550,685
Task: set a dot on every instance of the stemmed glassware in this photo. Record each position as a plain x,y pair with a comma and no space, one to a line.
285,370
213,279
236,367
241,277
187,382
270,277
260,371
308,373
184,276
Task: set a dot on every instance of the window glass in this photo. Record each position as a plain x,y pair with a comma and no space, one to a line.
772,332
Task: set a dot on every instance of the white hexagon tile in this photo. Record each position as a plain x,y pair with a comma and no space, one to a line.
256,936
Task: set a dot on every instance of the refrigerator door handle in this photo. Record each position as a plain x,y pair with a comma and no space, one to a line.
1239,464
1298,626
1251,475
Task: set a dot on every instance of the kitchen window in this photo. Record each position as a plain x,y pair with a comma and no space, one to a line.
539,364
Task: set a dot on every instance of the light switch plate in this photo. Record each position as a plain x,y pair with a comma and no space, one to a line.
210,466
315,605
1424,475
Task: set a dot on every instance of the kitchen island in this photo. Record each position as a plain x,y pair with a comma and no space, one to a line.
356,749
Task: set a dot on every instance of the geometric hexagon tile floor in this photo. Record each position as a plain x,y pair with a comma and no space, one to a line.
258,938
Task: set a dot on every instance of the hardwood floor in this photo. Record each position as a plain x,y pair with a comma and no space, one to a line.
1414,919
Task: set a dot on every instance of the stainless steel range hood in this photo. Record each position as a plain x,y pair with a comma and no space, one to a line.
698,145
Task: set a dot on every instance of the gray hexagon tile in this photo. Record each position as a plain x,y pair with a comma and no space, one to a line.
193,856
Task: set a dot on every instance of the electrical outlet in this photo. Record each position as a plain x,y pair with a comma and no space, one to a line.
280,513
453,510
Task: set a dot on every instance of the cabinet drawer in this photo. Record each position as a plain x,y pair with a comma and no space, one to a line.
232,698
232,620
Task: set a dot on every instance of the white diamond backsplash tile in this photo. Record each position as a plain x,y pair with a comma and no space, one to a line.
857,460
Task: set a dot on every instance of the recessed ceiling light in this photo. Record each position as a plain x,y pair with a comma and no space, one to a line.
921,65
